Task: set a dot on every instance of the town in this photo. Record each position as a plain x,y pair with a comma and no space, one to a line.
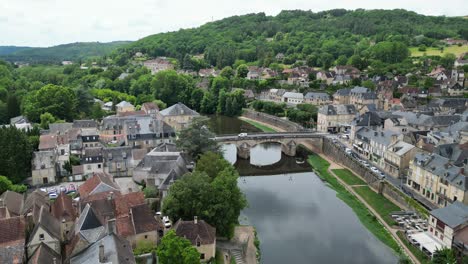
134,156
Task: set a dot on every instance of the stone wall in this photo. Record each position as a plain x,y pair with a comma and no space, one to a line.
339,156
284,124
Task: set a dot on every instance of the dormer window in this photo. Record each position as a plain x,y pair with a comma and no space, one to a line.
41,236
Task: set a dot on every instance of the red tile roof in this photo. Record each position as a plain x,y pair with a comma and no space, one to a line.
124,226
63,208
47,142
200,231
86,188
12,231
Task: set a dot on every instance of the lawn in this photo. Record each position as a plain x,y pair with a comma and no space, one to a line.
416,251
348,177
379,203
367,218
454,49
260,126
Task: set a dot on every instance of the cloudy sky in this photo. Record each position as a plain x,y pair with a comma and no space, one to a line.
50,22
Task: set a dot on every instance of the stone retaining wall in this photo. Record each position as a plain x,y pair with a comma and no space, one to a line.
284,124
339,156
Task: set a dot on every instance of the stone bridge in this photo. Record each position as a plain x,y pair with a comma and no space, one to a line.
288,140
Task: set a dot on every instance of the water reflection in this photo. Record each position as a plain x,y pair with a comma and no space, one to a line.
300,220
229,125
229,152
265,154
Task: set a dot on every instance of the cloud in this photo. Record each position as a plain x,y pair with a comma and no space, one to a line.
52,22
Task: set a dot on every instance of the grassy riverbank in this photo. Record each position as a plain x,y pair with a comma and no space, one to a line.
262,127
416,251
367,218
348,177
379,203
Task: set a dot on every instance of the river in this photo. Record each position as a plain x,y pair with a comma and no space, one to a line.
297,217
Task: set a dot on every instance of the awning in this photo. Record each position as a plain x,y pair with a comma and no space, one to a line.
427,241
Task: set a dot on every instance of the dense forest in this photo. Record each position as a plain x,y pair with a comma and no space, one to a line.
317,38
56,54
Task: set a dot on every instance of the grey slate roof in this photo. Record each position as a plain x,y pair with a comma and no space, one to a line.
177,110
117,153
44,254
319,96
116,250
381,137
338,110
452,215
368,119
443,168
48,222
343,92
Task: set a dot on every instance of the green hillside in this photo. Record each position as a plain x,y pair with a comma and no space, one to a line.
320,38
72,51
5,50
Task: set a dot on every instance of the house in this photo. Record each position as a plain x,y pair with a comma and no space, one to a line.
293,98
374,144
362,99
44,167
158,64
33,203
150,108
351,71
12,240
64,211
456,90
146,132
90,138
124,106
326,77
11,204
99,182
126,215
341,96
370,120
200,234
335,118
47,231
118,161
108,249
317,98
279,56
44,254
450,224
92,161
19,120
161,169
341,79
397,157
437,179
85,123
178,116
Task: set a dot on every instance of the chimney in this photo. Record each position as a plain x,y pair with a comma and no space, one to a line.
110,196
101,253
195,219
111,226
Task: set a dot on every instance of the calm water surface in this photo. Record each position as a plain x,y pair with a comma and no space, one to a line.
297,217
300,220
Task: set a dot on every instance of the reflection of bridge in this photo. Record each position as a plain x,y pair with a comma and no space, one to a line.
288,140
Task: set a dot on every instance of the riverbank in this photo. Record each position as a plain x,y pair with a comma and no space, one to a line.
321,167
265,127
371,208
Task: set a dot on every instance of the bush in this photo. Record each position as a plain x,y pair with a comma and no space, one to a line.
150,192
143,247
422,47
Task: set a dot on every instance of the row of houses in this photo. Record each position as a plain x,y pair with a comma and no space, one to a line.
116,145
103,225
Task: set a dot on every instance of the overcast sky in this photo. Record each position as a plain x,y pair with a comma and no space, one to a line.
42,23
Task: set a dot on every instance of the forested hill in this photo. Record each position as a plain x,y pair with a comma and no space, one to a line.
72,51
298,34
5,50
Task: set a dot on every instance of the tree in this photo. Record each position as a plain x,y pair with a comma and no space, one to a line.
211,163
390,52
16,154
58,100
444,256
214,197
7,185
171,87
227,72
208,104
144,247
176,250
46,119
197,139
13,106
342,60
242,71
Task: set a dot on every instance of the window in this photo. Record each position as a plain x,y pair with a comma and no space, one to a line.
99,166
202,256
198,244
454,198
41,236
146,236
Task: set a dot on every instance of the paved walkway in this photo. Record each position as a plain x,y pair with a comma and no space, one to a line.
263,123
389,228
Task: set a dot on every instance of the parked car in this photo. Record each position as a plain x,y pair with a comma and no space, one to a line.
63,189
158,213
348,151
374,169
43,189
242,135
52,190
71,188
53,195
345,136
